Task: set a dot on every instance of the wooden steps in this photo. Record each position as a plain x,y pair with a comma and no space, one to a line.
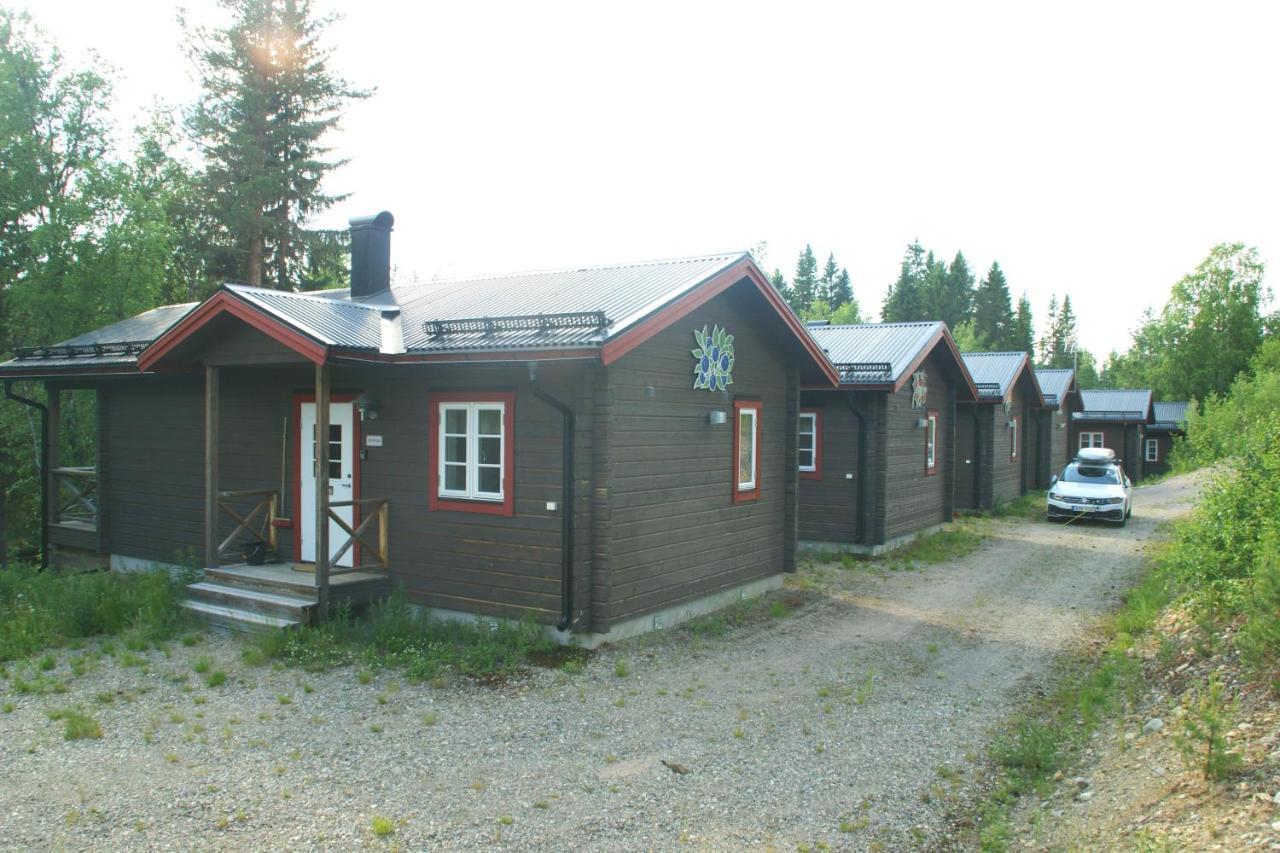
255,599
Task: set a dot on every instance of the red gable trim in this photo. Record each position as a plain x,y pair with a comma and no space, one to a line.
942,335
704,293
221,303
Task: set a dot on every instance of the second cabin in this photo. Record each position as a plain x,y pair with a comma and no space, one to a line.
999,436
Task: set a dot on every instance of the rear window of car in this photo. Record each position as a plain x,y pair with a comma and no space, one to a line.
1091,474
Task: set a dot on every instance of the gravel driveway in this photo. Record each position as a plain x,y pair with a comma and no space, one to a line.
853,722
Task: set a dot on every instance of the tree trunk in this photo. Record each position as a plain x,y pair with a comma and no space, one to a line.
253,271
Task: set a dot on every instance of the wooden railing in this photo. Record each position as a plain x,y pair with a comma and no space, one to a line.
371,510
257,523
76,496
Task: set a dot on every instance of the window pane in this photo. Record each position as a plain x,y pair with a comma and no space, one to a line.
490,451
455,421
806,441
746,434
455,448
490,422
806,458
490,480
455,478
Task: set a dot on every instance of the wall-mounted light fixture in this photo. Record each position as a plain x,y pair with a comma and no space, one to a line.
367,407
717,417
1013,424
921,423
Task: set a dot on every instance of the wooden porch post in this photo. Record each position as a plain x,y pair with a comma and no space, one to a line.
211,435
322,492
54,395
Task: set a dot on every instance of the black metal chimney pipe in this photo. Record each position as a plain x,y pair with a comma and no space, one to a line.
370,254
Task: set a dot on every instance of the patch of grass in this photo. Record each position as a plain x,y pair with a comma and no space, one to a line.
779,609
620,668
430,718
957,539
46,609
77,725
203,664
7,708
217,678
1029,506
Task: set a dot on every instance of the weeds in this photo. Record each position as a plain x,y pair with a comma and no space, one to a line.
77,725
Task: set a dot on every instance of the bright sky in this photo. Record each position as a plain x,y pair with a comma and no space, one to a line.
1095,148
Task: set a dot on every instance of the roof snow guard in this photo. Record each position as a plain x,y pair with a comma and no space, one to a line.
81,350
989,389
541,323
865,371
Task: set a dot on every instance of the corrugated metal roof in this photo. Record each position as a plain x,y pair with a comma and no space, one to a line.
1127,404
1054,383
859,349
625,294
1171,415
338,323
143,328
994,372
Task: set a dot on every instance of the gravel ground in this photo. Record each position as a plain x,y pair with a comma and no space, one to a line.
854,722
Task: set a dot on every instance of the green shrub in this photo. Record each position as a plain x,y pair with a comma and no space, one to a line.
42,609
1203,739
1259,637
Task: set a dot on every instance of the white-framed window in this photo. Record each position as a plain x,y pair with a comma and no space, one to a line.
746,445
472,450
808,441
1153,450
1014,423
931,443
1090,439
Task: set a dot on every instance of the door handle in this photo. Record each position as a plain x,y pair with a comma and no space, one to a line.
330,490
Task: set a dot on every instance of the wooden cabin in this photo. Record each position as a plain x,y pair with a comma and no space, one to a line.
1170,421
604,450
1061,398
998,436
876,453
1117,419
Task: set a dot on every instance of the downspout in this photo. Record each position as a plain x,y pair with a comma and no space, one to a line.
860,526
44,466
566,497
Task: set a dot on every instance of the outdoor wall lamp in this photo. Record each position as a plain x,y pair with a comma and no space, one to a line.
921,423
367,407
1012,424
717,418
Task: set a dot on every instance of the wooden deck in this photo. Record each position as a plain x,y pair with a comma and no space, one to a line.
298,579
282,595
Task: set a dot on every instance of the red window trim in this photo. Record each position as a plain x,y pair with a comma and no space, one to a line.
435,503
1015,438
931,470
816,473
357,440
739,496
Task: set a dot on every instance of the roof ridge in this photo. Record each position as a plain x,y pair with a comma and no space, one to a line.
876,325
309,297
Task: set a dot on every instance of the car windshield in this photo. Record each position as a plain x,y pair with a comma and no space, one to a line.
1098,474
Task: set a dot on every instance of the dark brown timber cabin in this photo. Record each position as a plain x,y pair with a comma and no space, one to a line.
1061,399
876,453
1117,419
668,391
1170,422
998,436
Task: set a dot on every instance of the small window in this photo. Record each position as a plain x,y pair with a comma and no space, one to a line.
1090,439
810,444
1153,450
1014,424
931,443
471,452
746,450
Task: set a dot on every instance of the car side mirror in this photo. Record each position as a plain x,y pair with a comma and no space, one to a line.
1053,479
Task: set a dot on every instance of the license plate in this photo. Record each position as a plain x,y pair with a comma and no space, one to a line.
1079,508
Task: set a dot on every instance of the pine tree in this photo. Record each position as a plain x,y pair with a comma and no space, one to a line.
779,281
992,309
269,100
842,292
950,292
1022,333
804,287
904,300
1049,345
827,282
1065,334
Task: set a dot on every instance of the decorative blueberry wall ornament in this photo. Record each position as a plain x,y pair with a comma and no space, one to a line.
919,389
713,359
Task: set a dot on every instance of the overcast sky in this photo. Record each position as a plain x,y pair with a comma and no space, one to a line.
1099,149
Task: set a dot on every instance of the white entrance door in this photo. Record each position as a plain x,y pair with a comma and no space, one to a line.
340,476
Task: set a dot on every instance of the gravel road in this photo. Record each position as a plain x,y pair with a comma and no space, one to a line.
854,722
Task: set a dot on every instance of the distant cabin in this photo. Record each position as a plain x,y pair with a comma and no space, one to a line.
1169,422
1116,419
1000,436
1062,400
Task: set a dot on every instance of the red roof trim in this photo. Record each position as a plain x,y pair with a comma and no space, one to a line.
224,302
703,293
941,335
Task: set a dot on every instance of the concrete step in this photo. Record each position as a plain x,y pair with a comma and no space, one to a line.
236,619
239,597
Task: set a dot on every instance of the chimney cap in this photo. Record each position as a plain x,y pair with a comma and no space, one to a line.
377,220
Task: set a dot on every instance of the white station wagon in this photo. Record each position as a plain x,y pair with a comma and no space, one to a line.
1093,486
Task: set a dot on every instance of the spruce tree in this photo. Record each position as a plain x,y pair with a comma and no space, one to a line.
842,292
950,292
1049,345
1065,335
269,101
1022,334
827,282
904,300
779,281
804,287
992,309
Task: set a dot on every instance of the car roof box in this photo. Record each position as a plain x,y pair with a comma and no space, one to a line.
1096,455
